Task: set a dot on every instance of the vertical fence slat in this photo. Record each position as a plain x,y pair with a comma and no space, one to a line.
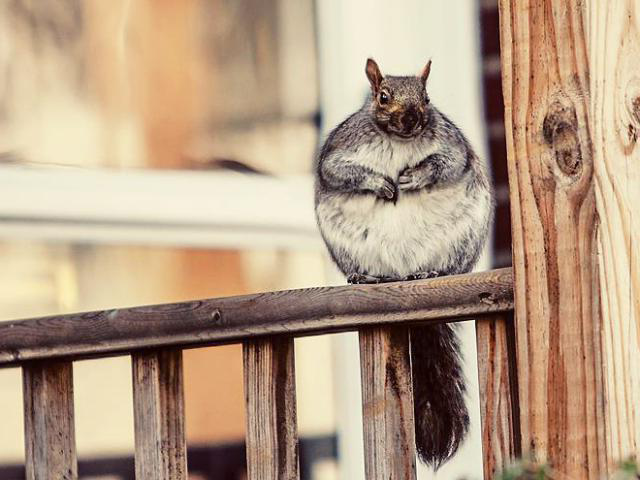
387,403
270,391
158,401
48,421
498,392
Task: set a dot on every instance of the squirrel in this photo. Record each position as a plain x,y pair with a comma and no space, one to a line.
401,195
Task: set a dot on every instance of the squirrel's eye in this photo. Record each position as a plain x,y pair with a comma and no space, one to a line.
426,100
383,98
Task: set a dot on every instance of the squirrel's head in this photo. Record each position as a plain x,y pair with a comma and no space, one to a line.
399,105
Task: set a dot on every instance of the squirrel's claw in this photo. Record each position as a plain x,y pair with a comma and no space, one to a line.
405,182
423,275
364,278
410,180
415,178
387,190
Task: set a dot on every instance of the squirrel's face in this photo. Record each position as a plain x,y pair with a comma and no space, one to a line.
399,105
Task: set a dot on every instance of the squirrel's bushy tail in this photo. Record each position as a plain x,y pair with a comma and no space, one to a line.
440,411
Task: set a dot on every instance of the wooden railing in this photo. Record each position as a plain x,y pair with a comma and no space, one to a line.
266,324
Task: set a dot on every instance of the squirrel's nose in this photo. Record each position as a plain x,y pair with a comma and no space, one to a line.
409,120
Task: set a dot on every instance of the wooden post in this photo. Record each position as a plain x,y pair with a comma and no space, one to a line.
48,421
572,113
272,432
615,126
498,392
158,402
387,404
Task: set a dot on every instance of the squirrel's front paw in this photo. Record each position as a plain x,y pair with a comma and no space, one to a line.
413,178
386,189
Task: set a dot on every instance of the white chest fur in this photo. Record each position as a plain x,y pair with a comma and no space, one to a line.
398,239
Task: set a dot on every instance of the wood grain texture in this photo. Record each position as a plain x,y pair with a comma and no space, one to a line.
50,445
272,432
234,319
546,93
158,407
387,403
567,73
498,392
614,45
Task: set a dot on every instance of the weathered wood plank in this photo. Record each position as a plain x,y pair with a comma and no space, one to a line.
571,95
158,407
614,79
387,403
546,96
50,445
272,432
498,392
227,320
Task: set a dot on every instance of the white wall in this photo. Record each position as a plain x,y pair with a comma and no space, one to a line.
401,36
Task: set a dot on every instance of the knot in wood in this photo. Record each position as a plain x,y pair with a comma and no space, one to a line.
636,109
488,298
632,133
635,114
560,131
632,103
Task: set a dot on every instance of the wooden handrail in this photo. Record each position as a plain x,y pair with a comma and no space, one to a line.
308,311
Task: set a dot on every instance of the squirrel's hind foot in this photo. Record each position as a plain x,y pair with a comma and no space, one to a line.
364,278
423,275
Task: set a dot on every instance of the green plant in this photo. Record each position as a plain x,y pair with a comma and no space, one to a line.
529,470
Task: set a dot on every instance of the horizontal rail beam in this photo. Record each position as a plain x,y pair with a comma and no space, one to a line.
309,311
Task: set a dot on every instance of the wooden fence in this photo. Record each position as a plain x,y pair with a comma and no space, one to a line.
266,324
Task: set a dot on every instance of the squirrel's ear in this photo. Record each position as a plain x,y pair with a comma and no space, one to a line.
425,72
373,74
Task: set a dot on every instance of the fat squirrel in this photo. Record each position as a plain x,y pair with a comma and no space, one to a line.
400,195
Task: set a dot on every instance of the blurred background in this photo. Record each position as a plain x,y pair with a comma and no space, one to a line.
161,150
